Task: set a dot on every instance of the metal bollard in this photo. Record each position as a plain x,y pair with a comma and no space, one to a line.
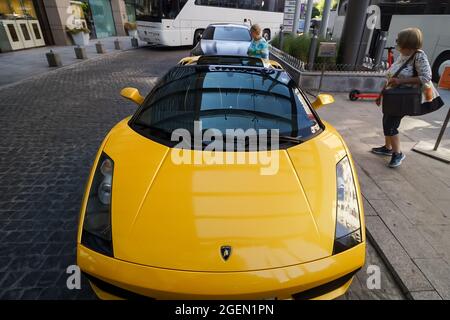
117,44
312,49
281,37
99,47
134,42
53,59
80,52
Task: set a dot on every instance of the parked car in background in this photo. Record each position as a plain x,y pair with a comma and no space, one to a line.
223,39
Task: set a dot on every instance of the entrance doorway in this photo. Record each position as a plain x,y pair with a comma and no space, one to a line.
19,25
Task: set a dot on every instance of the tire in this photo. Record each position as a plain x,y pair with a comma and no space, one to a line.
353,95
444,57
197,35
266,34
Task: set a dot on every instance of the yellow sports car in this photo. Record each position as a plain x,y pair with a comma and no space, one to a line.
224,184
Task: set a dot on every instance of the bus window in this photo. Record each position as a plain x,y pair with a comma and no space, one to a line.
155,10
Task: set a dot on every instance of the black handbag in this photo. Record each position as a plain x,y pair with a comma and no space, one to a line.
402,101
407,101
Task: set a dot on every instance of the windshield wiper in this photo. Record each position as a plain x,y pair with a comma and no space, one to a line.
291,139
153,129
285,138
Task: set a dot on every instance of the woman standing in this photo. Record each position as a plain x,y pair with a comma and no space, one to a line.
259,47
414,71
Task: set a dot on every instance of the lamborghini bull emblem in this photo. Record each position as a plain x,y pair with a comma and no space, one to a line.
225,252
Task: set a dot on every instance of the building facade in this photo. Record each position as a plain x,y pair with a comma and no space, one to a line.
33,23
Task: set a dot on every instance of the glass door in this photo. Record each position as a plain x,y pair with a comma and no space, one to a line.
103,18
25,33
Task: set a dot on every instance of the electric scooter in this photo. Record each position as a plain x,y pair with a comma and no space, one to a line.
356,94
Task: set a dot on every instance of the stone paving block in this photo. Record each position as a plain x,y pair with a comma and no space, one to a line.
426,295
368,187
407,234
368,209
51,127
438,237
438,273
419,213
397,258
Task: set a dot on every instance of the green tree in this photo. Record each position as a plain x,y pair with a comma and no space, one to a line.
315,13
321,4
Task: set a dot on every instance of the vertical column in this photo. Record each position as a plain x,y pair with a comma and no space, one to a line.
325,18
120,16
298,6
309,8
57,15
352,32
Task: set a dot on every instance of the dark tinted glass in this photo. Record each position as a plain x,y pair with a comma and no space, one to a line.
12,31
265,5
226,100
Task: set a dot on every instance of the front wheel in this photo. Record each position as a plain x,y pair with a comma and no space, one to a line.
266,34
442,61
197,36
353,95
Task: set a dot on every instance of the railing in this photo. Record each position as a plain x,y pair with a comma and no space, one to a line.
301,66
331,77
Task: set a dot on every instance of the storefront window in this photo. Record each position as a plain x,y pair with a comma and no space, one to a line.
131,10
17,9
103,18
28,9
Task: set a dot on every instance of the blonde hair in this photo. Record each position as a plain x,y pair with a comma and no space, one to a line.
410,38
255,28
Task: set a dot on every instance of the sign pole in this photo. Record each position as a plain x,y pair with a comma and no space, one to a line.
441,133
427,148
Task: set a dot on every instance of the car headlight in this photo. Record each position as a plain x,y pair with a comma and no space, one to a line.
348,223
97,233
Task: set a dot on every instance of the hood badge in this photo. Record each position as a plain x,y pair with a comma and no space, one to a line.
225,252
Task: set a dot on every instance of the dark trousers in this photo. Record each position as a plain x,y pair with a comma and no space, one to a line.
391,124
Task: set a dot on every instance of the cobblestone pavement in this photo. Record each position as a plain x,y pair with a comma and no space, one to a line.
50,128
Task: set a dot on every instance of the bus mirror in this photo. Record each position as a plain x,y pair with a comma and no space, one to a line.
321,100
132,94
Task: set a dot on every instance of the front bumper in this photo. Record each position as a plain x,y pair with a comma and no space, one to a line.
158,37
282,283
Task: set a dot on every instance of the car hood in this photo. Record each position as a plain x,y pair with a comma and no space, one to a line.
179,216
221,47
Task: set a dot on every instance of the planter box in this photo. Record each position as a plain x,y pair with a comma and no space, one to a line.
81,39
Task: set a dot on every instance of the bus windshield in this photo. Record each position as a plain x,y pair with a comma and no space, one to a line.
155,10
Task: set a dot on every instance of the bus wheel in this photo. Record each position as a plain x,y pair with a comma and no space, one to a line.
266,34
197,36
442,61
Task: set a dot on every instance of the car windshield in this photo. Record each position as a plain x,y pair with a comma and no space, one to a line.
226,33
224,98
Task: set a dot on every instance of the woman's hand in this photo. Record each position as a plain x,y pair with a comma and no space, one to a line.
393,82
378,100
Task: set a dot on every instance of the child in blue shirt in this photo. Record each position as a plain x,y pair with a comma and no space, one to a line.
259,47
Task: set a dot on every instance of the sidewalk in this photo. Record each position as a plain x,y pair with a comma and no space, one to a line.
22,64
407,209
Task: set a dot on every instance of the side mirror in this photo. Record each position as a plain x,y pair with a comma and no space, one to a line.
321,100
132,94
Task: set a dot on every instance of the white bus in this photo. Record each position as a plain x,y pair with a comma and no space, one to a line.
436,37
181,22
432,17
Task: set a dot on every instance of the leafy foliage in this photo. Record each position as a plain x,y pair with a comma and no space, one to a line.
298,47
